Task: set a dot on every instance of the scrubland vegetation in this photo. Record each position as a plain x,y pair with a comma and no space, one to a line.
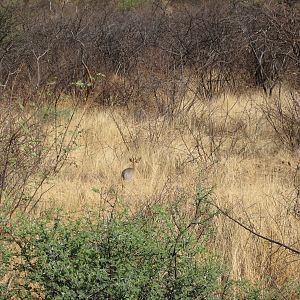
206,93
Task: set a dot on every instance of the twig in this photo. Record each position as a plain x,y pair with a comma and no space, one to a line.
255,233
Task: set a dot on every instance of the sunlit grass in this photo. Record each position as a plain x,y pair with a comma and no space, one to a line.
248,173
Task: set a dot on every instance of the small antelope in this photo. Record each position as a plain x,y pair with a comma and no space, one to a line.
128,173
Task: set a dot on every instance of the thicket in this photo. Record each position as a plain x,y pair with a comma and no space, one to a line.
114,257
122,52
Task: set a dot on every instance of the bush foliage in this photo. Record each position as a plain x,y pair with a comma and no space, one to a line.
120,257
162,254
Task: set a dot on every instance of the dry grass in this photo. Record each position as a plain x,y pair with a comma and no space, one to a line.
227,142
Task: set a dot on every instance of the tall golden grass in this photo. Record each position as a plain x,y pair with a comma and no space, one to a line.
226,144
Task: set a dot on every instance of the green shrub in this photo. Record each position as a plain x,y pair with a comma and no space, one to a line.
113,255
124,257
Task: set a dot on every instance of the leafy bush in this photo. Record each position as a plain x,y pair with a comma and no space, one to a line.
122,257
114,255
